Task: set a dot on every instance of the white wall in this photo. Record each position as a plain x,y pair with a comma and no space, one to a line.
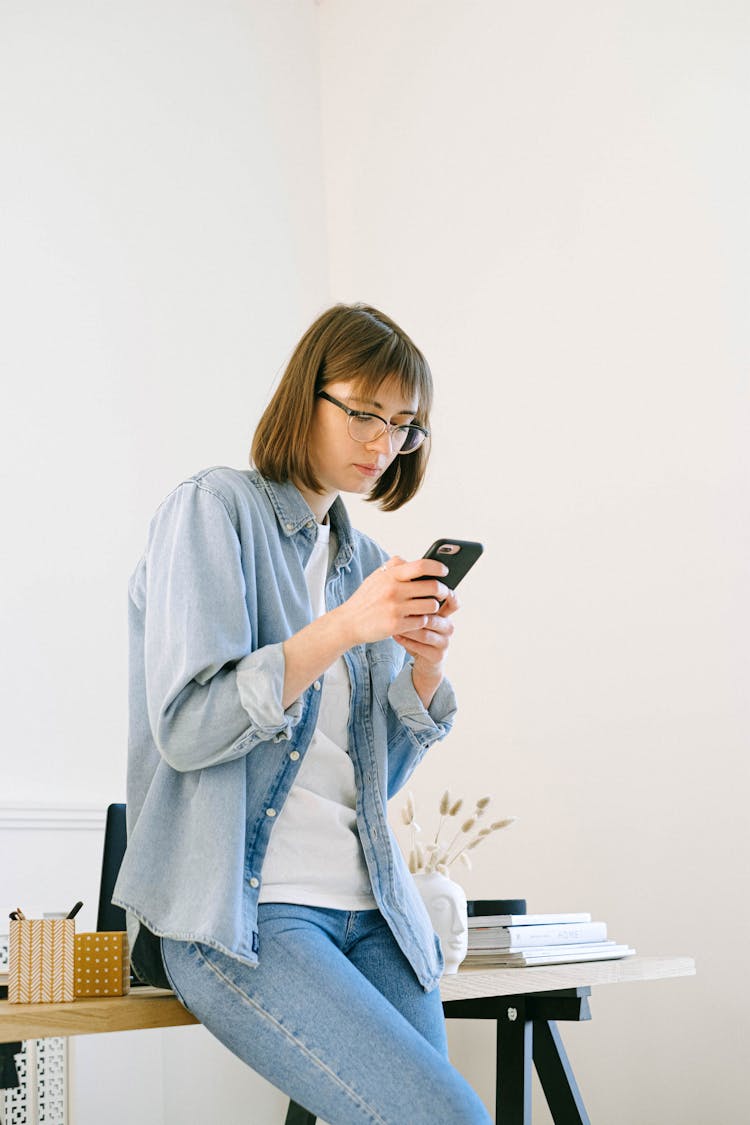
553,200
163,244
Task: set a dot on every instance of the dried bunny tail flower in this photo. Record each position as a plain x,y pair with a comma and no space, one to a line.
413,865
465,827
410,804
443,809
442,869
465,860
419,850
406,816
438,859
456,807
481,835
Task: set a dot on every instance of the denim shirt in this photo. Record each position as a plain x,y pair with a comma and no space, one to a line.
212,752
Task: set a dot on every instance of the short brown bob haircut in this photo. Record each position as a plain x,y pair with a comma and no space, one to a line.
347,342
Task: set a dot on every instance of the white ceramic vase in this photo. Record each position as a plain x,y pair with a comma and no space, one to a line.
446,906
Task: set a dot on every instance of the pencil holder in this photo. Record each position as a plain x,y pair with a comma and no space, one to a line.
40,960
102,964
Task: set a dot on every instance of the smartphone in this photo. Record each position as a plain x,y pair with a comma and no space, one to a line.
459,555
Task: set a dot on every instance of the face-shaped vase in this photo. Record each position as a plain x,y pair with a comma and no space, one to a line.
446,906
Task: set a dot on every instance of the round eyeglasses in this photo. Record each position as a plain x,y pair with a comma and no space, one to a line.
367,427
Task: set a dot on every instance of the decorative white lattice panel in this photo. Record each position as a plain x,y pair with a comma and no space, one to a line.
48,1105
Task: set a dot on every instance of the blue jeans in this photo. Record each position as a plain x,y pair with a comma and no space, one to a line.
333,1015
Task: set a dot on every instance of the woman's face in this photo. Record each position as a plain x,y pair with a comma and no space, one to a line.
342,464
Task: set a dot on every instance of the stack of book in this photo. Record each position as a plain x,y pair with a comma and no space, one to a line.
508,940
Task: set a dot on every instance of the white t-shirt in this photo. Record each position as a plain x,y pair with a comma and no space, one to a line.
314,854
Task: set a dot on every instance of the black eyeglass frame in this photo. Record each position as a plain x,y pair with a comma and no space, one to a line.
388,427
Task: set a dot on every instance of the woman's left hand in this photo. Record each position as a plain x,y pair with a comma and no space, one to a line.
429,645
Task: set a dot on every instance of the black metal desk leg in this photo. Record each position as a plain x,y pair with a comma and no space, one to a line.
513,1066
556,1076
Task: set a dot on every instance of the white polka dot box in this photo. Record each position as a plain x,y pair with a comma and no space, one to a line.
102,964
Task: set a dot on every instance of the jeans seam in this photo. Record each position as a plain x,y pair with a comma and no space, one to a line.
355,1097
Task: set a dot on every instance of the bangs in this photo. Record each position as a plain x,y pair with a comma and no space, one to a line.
391,358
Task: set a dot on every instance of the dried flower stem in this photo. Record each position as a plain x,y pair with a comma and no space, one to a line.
480,837
435,856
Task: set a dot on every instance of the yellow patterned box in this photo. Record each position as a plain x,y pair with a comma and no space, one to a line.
102,964
40,960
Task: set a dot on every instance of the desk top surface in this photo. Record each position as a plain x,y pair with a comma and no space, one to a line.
467,984
145,1008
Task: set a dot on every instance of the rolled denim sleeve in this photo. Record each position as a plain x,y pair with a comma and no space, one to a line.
210,697
260,682
414,728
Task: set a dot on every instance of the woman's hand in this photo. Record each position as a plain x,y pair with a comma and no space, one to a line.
390,604
429,645
386,603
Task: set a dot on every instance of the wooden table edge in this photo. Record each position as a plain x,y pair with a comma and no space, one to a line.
470,983
149,1008
142,1009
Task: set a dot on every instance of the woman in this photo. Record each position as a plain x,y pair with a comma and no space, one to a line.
285,679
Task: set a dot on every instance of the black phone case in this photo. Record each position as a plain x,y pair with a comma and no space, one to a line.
459,564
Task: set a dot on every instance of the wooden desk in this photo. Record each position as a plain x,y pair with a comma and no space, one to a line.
524,1002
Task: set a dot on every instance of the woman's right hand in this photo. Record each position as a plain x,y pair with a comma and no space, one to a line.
390,603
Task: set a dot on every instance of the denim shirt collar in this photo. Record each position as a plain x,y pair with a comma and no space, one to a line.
294,513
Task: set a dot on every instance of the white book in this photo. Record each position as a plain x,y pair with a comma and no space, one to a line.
560,956
525,919
535,951
522,937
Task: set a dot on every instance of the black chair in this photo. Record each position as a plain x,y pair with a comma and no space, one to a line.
109,916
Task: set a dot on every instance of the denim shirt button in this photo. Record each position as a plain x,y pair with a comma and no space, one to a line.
254,882
316,685
270,812
294,755
290,527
